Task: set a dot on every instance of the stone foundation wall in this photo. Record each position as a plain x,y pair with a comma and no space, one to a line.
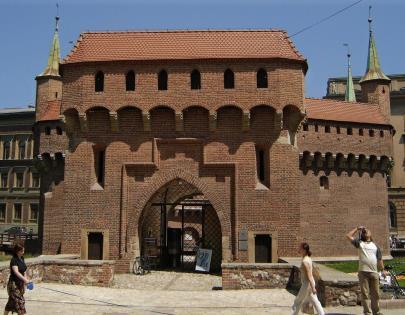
339,293
236,276
67,271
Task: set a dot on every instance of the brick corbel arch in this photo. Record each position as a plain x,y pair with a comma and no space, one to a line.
164,177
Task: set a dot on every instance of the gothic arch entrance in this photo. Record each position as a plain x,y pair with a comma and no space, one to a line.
175,222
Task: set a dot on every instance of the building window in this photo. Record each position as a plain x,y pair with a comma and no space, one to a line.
338,130
47,130
130,81
305,127
17,212
99,82
162,80
393,215
35,180
361,133
59,131
261,79
4,180
371,133
316,128
327,129
262,168
6,150
229,79
195,78
34,211
324,182
19,180
381,133
349,131
2,212
99,165
21,150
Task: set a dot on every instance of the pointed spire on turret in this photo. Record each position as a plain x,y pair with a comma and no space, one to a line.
350,95
373,71
52,68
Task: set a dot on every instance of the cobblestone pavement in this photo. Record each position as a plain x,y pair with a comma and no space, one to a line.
161,293
168,280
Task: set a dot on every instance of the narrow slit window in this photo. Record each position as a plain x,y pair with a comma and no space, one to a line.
324,182
162,80
99,159
59,131
47,131
305,127
229,79
327,129
349,131
371,133
21,150
261,78
316,128
99,82
130,81
262,168
381,133
361,133
338,130
195,80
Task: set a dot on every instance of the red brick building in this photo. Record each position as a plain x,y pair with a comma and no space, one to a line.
157,142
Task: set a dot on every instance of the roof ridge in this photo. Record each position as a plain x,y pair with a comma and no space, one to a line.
339,101
275,30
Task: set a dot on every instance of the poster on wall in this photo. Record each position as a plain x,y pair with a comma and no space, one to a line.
203,260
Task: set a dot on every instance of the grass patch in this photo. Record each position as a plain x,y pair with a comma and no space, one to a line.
352,266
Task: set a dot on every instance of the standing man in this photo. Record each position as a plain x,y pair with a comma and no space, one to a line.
370,262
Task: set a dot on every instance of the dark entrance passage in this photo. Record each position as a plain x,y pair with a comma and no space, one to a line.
95,246
263,248
181,220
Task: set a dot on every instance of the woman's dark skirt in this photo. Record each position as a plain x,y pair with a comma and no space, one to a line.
16,301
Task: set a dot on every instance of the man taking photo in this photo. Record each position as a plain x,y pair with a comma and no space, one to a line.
370,262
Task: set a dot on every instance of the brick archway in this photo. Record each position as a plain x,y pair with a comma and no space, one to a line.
162,178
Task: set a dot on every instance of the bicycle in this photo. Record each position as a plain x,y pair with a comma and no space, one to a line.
142,265
390,283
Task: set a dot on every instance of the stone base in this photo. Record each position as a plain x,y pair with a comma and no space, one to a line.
67,271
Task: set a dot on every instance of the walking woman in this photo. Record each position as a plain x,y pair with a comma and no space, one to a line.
16,283
308,290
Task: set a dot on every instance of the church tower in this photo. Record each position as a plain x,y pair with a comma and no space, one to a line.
49,82
375,85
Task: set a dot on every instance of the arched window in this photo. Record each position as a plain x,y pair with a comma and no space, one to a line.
130,81
393,215
21,149
162,80
261,77
195,80
6,150
324,182
229,79
99,82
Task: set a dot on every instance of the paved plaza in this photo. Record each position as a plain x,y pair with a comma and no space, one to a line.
173,294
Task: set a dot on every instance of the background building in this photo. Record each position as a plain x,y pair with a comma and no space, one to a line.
396,184
19,180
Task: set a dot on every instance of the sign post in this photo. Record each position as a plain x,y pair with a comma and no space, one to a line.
203,260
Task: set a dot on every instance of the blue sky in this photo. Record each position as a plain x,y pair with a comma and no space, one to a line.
26,29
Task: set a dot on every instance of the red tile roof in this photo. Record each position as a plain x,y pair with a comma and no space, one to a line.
182,45
52,111
327,109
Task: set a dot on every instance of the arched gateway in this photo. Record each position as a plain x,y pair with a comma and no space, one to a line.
177,220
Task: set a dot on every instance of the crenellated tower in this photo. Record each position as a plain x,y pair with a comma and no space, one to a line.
375,85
